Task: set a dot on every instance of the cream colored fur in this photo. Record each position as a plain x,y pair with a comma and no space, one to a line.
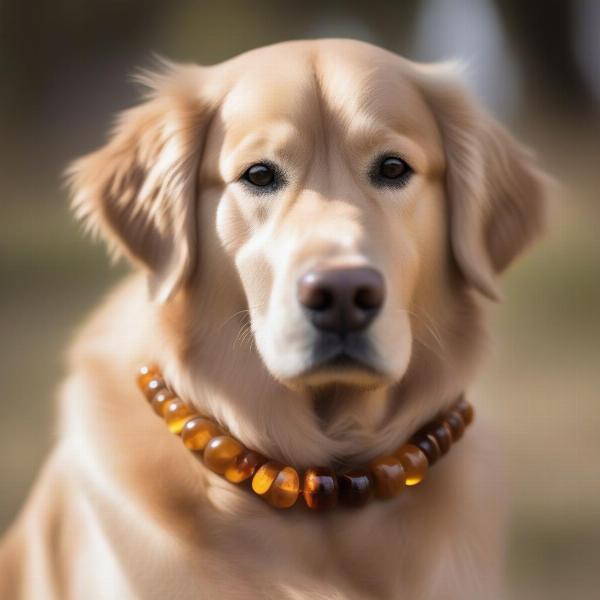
121,510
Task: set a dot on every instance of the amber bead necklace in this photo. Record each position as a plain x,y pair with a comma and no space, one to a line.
321,487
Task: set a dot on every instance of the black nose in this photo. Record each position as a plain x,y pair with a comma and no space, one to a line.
341,299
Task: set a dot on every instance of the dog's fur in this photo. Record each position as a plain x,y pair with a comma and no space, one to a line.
121,509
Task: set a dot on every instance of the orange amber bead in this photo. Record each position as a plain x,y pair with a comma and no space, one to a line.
285,489
154,385
145,374
221,452
414,462
198,431
244,466
265,476
160,401
389,476
176,413
356,487
456,424
320,488
278,485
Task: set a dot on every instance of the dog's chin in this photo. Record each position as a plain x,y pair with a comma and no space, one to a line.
339,370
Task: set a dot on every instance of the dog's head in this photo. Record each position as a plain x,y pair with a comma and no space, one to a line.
341,195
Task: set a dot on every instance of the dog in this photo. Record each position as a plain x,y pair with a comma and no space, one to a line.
315,227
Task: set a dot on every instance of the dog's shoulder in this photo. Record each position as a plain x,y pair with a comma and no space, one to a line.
115,326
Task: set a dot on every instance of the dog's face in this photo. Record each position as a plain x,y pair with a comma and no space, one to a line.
332,208
337,192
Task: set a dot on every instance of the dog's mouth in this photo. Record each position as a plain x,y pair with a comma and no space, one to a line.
350,360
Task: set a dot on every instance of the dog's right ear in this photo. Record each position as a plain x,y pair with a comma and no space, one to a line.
496,191
139,190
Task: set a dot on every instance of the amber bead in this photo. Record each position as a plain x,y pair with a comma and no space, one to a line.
277,484
145,374
244,466
355,487
198,431
442,434
265,476
320,488
161,400
221,452
285,489
465,410
429,446
389,476
456,424
176,413
414,462
155,385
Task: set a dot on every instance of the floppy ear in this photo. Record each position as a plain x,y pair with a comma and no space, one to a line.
139,190
494,186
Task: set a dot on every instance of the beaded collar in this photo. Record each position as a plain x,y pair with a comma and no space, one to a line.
321,487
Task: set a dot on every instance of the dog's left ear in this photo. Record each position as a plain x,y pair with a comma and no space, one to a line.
139,190
496,191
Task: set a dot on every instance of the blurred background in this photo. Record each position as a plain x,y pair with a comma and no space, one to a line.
66,69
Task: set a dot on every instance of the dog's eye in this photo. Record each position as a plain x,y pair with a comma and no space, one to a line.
390,171
260,175
392,167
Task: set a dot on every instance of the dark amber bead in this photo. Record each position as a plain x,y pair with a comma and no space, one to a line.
221,452
244,466
442,434
389,476
415,463
198,431
155,385
428,444
355,487
161,400
456,424
465,410
320,488
176,413
145,374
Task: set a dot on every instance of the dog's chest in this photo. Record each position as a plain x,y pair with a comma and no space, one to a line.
374,552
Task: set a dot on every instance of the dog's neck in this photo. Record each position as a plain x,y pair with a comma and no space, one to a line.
229,382
341,408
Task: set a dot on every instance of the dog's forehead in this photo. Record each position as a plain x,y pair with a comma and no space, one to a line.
340,80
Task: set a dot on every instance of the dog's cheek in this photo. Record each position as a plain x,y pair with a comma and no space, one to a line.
276,322
392,337
232,227
256,276
245,242
425,249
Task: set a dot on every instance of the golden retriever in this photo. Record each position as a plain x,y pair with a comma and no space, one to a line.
235,190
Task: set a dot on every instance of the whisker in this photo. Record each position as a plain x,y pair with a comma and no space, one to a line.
432,327
233,316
